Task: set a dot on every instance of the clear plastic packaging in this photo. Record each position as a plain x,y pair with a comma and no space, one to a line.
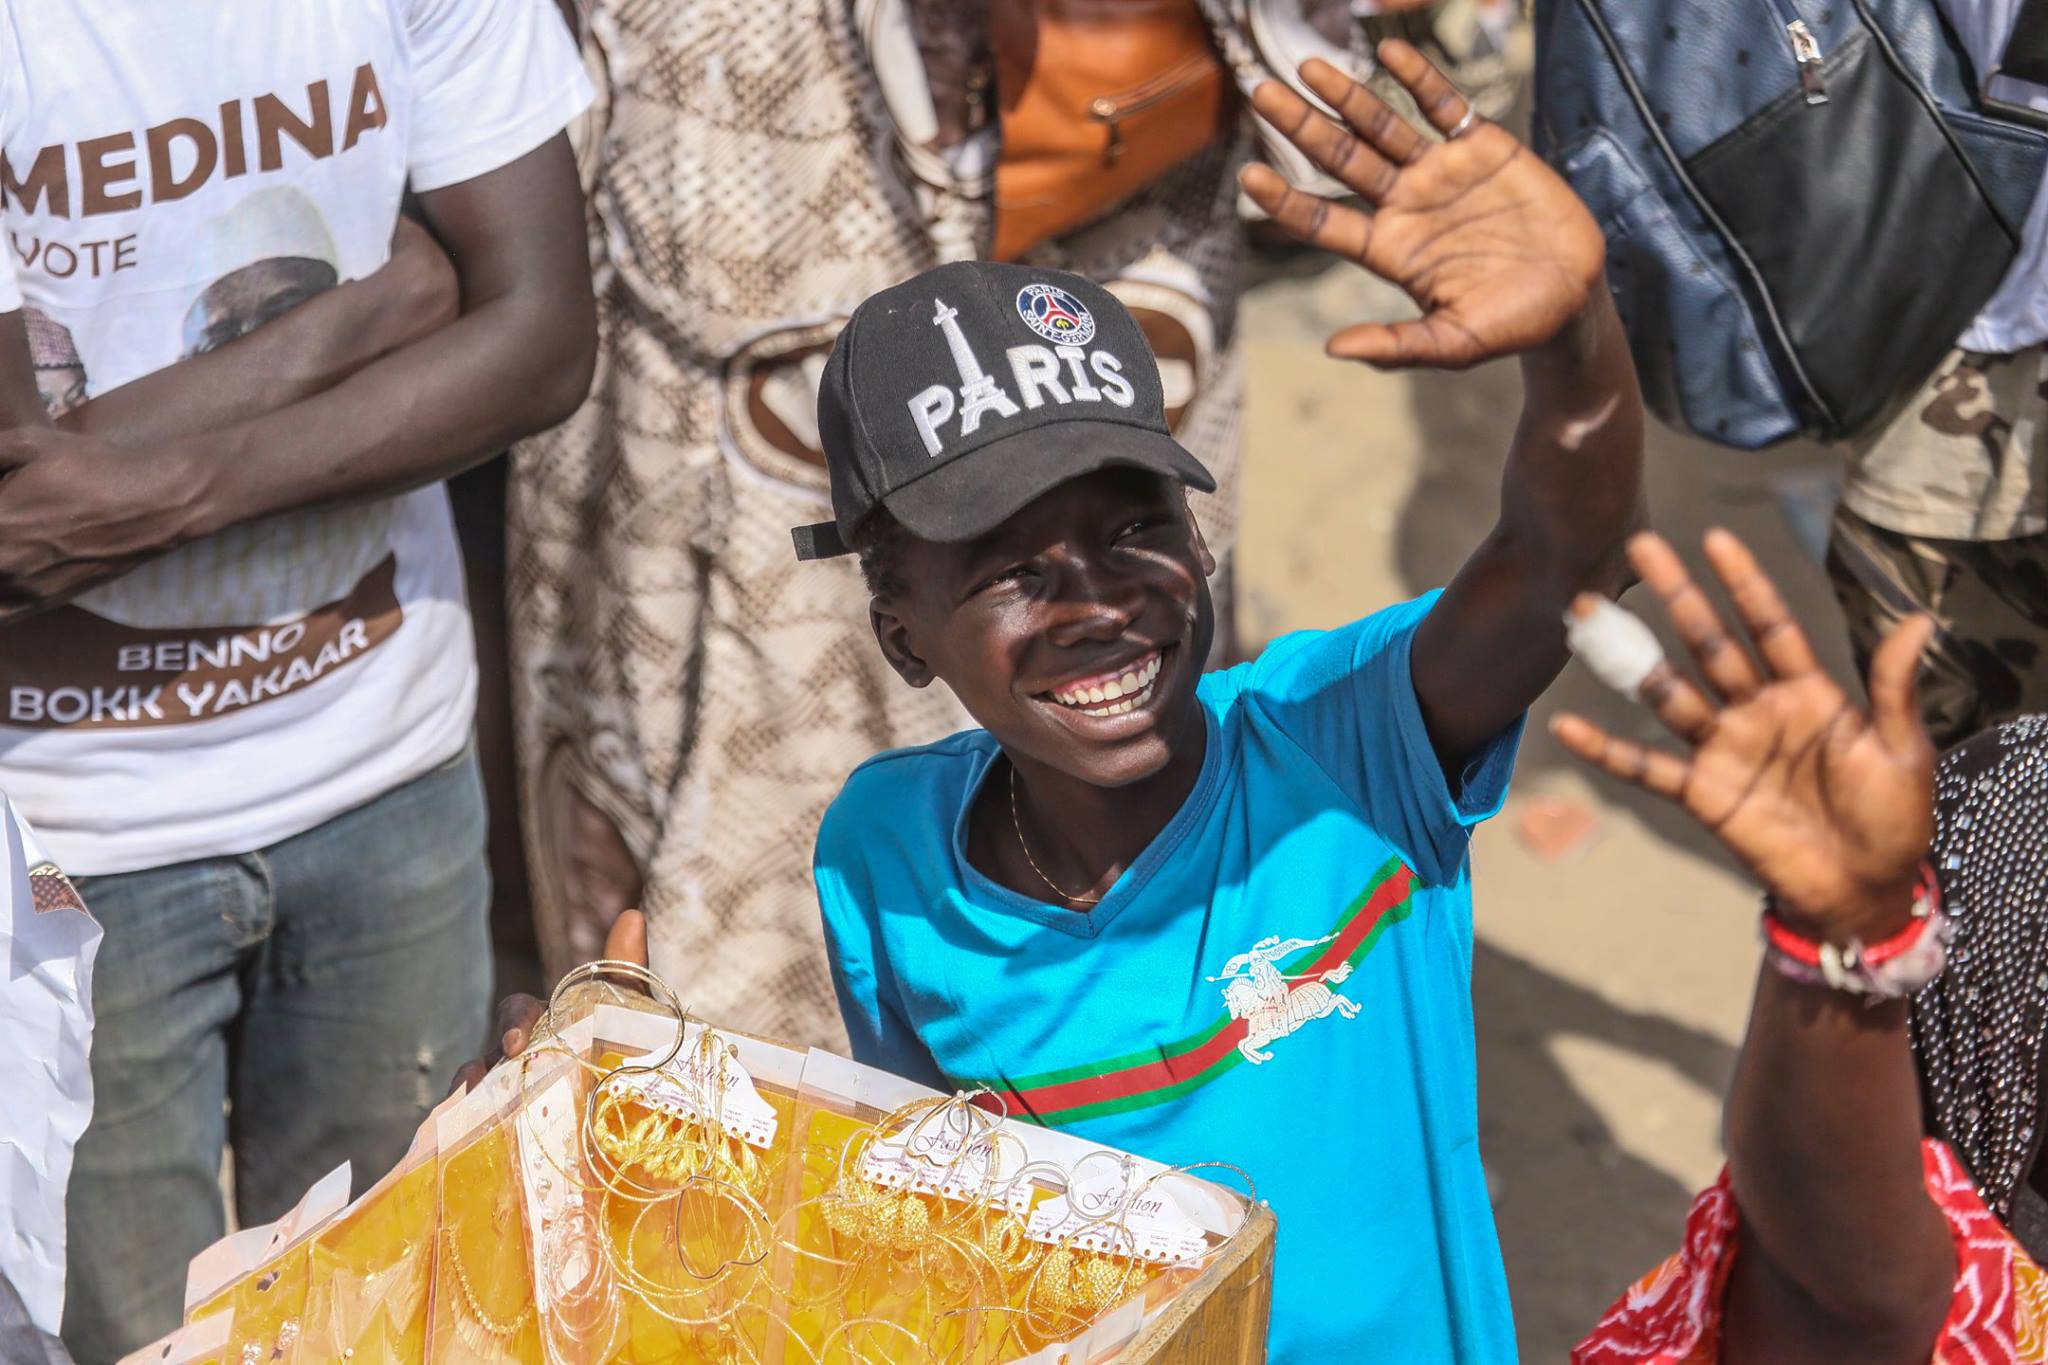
639,1186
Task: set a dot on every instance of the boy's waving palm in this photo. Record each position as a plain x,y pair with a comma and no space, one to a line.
1495,248
1503,259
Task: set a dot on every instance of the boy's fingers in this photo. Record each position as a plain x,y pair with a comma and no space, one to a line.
1438,99
1313,219
1719,654
511,1027
1778,637
469,1073
1335,150
517,1014
1650,769
1894,685
1366,112
626,941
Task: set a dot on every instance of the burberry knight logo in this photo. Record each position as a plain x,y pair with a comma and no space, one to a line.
1052,313
118,172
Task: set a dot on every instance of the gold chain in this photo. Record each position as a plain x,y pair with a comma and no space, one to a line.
469,1299
1017,824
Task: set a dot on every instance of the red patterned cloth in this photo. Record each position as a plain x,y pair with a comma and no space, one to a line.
1672,1316
49,889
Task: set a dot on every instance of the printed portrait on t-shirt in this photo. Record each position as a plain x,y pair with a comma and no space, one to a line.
268,252
60,374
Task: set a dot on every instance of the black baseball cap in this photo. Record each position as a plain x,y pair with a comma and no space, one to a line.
959,396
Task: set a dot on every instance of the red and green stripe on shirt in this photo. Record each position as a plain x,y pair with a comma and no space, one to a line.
1161,1074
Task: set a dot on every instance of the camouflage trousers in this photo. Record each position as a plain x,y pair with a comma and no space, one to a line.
1989,598
1945,510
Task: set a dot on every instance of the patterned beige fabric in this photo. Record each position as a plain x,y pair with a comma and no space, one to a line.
1964,457
1944,511
673,661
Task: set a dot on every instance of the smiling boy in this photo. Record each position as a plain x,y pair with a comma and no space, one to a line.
1220,917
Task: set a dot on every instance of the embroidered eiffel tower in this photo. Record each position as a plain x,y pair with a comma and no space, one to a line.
979,390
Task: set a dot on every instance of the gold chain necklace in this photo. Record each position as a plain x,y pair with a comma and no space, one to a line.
496,1327
1017,823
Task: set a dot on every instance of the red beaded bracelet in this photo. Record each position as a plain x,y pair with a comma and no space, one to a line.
1897,966
1800,948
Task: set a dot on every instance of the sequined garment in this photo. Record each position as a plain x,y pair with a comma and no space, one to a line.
1977,1028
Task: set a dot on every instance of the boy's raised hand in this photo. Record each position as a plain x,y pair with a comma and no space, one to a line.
1490,242
1831,807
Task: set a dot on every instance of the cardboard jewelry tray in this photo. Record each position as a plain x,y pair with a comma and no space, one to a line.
625,1194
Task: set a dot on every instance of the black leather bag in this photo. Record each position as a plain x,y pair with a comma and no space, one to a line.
1806,201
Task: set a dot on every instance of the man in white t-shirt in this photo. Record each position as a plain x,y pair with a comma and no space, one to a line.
236,676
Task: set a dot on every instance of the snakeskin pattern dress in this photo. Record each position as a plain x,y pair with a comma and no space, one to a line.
677,673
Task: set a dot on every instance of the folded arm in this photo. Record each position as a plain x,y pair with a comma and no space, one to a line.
517,360
20,404
76,510
306,350
1503,259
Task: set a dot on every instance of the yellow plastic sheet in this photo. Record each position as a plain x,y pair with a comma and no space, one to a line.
640,1188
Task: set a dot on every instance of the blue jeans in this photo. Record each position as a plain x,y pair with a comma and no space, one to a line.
307,1003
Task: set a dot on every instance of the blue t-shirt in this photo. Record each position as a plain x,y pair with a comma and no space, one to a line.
1281,981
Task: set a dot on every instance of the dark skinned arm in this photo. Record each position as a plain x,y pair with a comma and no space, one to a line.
75,510
307,350
1846,1257
20,403
1570,496
1503,259
1842,1255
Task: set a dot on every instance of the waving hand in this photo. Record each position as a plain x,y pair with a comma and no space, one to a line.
1830,806
1494,247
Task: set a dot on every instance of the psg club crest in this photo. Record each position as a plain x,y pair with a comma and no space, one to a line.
1055,314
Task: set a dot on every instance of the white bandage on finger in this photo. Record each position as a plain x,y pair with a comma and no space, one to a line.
1616,644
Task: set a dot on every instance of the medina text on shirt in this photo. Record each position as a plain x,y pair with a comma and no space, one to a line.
184,153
